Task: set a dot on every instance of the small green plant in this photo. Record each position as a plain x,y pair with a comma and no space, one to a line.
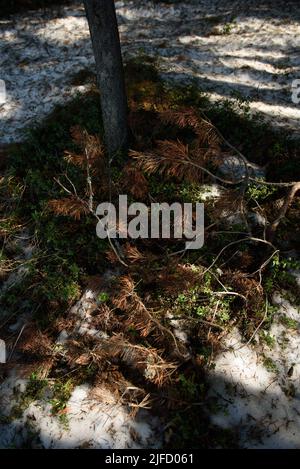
242,103
224,316
103,297
267,338
289,322
34,391
182,298
188,385
202,311
270,365
35,385
259,192
227,28
280,273
61,394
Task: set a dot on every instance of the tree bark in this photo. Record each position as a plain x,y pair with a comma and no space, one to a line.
103,26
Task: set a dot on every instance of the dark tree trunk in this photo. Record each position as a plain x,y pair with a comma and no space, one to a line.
103,26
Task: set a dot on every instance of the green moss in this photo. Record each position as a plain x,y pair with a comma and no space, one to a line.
268,339
34,390
270,365
62,391
260,192
103,297
289,323
279,275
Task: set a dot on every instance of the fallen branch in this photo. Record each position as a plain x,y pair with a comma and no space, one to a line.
89,207
248,238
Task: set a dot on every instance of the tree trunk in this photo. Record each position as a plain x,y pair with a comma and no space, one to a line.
103,26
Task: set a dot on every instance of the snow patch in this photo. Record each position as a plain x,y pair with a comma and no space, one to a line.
257,387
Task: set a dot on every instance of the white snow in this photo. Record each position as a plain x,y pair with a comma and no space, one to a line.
95,419
210,192
261,405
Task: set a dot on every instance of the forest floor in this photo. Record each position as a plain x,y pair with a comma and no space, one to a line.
243,58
